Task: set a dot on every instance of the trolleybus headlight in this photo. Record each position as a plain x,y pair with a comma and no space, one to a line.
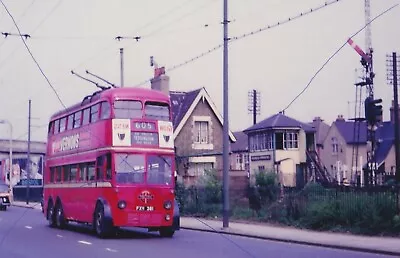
167,217
167,205
121,204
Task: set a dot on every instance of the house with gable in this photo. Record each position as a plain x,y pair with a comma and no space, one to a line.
198,131
345,152
287,146
321,130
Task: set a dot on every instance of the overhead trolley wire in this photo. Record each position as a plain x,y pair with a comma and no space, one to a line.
245,35
335,53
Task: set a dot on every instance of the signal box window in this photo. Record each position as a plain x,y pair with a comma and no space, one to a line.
94,113
77,119
157,111
105,110
159,170
128,109
129,168
70,122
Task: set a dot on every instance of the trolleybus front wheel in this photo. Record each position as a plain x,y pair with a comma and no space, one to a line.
102,227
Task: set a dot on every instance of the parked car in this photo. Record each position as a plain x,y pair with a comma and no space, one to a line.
4,196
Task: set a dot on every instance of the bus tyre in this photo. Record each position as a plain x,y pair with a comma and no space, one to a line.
60,219
167,232
50,215
101,227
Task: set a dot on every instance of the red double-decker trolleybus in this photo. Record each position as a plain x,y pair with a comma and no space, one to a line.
110,163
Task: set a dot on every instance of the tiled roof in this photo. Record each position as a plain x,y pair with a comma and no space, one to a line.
181,102
385,131
347,129
241,143
352,132
280,121
383,150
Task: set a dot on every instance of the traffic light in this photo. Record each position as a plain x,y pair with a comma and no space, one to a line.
373,112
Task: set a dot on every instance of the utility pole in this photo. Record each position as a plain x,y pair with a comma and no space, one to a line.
392,72
254,104
225,144
121,51
28,167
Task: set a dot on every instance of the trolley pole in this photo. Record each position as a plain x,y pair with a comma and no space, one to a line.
121,51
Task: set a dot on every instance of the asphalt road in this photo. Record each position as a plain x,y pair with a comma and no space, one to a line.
24,233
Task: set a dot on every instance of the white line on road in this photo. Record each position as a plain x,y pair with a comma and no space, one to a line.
59,236
84,242
28,227
111,250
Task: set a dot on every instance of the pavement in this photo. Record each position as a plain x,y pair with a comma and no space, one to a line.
377,245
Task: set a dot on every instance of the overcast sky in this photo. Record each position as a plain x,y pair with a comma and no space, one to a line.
80,35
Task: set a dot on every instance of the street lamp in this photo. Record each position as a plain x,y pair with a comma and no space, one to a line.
2,121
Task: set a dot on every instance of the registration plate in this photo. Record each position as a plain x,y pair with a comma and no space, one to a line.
144,208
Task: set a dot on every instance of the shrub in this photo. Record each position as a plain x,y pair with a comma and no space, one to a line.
267,186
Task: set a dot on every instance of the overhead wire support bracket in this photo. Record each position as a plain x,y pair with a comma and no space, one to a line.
6,34
137,38
95,83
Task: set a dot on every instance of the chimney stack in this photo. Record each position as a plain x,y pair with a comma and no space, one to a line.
160,81
318,119
340,118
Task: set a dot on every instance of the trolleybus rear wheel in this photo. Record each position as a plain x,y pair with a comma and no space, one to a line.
50,214
60,219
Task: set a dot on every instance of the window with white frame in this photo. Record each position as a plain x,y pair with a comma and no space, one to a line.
201,168
290,140
335,145
261,141
239,162
201,132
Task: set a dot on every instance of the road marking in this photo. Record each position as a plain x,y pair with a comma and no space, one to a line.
84,242
59,236
111,250
28,227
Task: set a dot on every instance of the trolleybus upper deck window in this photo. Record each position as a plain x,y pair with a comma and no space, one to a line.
128,109
157,111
